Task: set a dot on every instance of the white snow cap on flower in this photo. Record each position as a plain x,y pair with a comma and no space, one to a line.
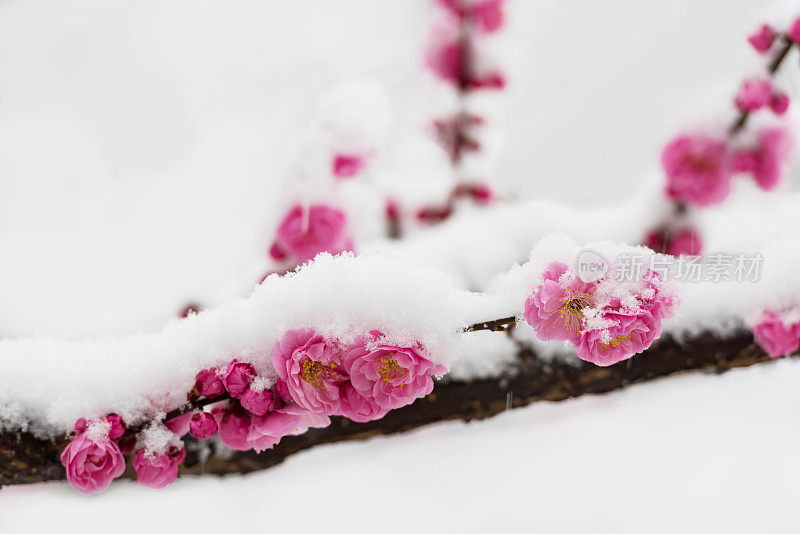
589,262
156,439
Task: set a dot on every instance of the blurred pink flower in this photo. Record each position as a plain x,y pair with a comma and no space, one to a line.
794,31
762,38
754,94
697,169
347,166
779,103
305,232
766,161
775,335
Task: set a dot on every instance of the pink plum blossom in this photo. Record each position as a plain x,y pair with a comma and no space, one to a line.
347,166
232,426
359,408
765,162
753,95
388,374
777,335
555,310
762,38
158,470
621,334
310,369
92,461
307,231
209,383
607,320
697,169
257,402
267,430
203,425
238,377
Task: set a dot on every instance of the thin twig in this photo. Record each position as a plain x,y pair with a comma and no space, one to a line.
177,412
775,64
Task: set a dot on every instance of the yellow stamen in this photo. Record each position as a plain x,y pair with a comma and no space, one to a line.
390,369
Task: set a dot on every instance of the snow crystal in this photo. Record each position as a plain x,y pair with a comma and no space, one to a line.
156,439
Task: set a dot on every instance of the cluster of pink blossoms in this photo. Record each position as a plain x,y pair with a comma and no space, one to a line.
308,230
699,168
607,321
778,333
316,378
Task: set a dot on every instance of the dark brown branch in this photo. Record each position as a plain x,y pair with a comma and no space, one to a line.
25,458
496,325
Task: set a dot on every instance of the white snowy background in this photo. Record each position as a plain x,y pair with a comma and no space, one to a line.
143,149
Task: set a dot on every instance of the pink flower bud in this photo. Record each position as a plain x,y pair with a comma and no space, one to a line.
779,103
753,95
258,403
117,426
345,166
209,384
92,462
80,425
794,31
762,38
158,470
238,378
203,425
276,252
